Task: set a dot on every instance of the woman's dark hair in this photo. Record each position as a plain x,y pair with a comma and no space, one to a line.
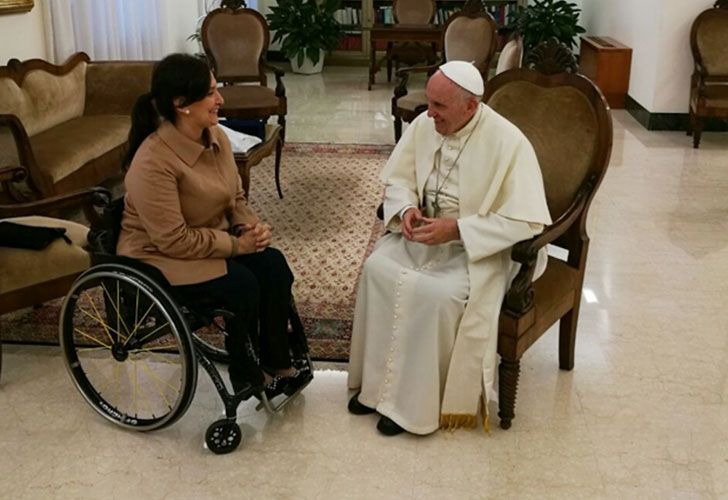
175,76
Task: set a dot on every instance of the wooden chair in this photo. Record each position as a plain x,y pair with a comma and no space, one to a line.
510,56
469,35
235,42
411,12
709,83
245,161
30,277
568,121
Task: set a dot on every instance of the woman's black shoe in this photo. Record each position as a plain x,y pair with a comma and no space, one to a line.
277,386
300,379
357,408
388,427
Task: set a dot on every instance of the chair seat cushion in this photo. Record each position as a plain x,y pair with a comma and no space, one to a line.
63,149
248,97
716,96
412,100
21,268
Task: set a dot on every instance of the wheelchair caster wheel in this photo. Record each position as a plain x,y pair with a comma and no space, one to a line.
223,436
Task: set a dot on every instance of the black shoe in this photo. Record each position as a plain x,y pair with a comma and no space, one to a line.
299,380
277,386
388,427
357,408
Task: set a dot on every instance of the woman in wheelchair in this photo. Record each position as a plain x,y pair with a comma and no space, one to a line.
185,213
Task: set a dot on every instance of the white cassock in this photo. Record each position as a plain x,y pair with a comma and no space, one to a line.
423,347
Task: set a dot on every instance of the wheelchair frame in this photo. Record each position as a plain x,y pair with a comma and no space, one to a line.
179,323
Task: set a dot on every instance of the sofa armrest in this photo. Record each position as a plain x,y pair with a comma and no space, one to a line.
112,87
91,200
39,180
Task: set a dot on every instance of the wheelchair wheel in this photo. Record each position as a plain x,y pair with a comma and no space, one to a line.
128,348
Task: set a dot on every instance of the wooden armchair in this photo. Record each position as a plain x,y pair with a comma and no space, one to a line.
567,120
469,35
235,42
709,83
411,12
30,277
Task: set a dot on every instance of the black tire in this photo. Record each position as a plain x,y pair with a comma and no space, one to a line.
118,321
223,436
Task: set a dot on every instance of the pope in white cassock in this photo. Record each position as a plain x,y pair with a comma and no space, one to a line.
462,186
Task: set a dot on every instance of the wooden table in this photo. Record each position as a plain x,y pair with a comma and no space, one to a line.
398,33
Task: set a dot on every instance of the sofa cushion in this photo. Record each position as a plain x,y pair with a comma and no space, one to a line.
23,268
61,150
44,100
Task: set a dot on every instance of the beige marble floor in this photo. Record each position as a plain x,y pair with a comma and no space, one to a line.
643,415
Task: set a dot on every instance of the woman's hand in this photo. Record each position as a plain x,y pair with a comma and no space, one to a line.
253,237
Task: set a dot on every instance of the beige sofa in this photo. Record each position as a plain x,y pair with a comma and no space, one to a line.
68,124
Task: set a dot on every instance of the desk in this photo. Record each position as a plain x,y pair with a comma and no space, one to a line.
398,33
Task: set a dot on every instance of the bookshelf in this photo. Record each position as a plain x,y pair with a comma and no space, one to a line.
355,15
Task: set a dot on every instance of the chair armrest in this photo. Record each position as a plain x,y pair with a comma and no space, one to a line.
519,297
12,174
278,73
88,199
403,74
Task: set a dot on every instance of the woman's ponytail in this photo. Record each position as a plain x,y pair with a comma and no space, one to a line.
144,121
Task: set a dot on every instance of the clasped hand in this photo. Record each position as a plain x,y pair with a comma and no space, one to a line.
253,237
427,230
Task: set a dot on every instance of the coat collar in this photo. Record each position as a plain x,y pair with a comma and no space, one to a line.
185,148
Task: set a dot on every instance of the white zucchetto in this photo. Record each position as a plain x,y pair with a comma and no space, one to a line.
464,74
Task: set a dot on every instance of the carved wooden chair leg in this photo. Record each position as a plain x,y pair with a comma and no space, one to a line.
697,131
390,45
567,338
691,121
282,123
279,148
508,372
397,128
245,177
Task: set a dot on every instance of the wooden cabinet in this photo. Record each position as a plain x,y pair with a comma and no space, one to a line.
607,63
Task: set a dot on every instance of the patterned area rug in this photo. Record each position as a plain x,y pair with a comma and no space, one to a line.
325,225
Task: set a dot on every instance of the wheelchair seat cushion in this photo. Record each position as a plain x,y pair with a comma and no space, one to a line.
21,268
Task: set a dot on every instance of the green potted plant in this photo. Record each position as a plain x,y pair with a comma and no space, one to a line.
306,28
543,19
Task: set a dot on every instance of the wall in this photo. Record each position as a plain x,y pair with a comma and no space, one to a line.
21,35
659,33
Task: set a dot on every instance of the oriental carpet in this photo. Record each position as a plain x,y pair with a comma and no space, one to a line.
325,225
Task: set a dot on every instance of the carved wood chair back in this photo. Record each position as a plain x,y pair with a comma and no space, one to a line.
567,120
235,42
413,11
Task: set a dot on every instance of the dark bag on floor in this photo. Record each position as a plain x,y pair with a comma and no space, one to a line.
29,237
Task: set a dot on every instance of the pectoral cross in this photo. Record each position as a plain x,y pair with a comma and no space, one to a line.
435,208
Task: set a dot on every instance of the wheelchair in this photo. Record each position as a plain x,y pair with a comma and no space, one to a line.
132,347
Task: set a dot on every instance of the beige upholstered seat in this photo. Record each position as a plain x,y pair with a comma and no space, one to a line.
30,277
709,84
411,12
567,120
236,42
469,35
21,268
